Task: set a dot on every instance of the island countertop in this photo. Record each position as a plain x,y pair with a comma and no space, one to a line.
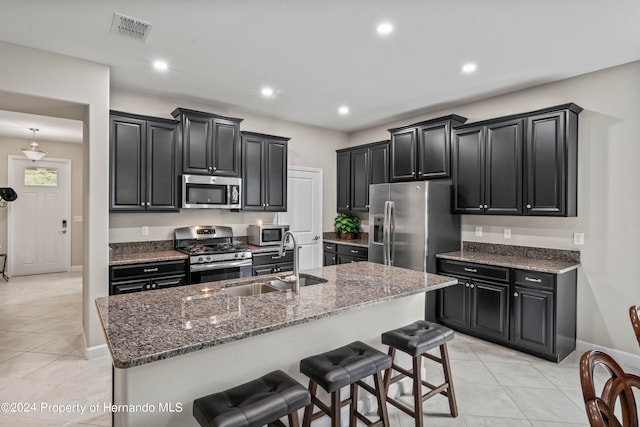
148,326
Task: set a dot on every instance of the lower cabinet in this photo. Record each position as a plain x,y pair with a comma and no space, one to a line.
127,278
335,253
272,262
530,311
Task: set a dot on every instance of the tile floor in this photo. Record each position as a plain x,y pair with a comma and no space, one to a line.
42,362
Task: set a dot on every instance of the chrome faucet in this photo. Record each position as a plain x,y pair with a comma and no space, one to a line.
295,279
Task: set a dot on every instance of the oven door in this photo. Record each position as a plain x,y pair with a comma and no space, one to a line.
202,273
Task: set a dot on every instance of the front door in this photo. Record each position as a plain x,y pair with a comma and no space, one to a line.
39,232
304,213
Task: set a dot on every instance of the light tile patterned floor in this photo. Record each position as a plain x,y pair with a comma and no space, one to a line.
42,361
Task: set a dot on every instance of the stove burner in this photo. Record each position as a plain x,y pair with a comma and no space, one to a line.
211,249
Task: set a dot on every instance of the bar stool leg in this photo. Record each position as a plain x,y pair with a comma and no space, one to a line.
417,389
353,420
444,355
382,398
335,409
308,411
388,372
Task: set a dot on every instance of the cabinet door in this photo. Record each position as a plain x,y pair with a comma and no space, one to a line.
360,180
252,171
403,155
344,181
468,170
453,305
162,166
503,168
330,258
379,163
226,148
490,309
434,151
533,320
275,180
546,163
196,145
346,259
126,164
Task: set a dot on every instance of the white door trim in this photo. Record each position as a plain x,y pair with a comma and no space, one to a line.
10,217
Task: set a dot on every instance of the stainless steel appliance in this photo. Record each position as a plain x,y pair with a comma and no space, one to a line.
266,234
203,191
213,255
410,222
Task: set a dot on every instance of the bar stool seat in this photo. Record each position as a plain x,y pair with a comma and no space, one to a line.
256,403
346,366
416,339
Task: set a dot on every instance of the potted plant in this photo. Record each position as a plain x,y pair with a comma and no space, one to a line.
347,226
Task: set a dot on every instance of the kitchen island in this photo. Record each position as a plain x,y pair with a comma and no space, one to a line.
173,345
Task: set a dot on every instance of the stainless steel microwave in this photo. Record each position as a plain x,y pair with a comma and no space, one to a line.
266,234
211,192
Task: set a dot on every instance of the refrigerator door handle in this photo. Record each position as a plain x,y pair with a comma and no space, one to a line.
391,232
385,237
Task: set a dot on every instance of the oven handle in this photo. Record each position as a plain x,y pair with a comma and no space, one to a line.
219,265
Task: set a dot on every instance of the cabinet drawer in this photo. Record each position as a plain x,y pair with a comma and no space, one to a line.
272,258
329,247
149,269
354,251
534,279
473,270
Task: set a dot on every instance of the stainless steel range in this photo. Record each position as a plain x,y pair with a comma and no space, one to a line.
213,255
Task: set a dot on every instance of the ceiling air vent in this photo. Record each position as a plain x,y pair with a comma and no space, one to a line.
130,27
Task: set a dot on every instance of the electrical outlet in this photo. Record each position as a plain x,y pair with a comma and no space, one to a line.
77,218
478,231
507,233
578,238
145,230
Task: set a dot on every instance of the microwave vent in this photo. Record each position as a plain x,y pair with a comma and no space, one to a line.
130,27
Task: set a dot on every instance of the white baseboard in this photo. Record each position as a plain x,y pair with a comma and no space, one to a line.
96,351
76,268
622,357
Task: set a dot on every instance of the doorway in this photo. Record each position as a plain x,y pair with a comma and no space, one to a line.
39,233
304,213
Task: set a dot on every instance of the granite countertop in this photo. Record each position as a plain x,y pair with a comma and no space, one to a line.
142,257
545,260
148,326
362,242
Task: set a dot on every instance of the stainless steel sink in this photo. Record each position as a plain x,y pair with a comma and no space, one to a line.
273,285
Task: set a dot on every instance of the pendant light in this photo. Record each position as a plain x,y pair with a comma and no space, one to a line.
34,153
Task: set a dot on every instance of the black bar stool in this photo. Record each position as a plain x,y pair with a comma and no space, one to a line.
338,368
256,403
415,340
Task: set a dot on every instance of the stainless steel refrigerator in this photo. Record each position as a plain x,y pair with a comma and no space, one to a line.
410,222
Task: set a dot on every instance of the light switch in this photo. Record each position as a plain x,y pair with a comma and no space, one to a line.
578,238
77,218
478,231
145,230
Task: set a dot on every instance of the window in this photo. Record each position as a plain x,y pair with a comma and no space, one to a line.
40,177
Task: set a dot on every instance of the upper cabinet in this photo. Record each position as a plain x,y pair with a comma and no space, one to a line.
144,163
357,168
523,164
422,150
211,143
264,172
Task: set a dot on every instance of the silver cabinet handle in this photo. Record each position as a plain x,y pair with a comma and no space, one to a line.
471,270
354,251
480,206
276,257
267,204
528,206
347,206
366,206
413,173
150,270
515,294
472,286
215,168
530,279
485,206
148,203
466,284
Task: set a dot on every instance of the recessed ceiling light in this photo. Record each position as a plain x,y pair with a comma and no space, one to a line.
160,65
267,91
469,67
384,28
343,110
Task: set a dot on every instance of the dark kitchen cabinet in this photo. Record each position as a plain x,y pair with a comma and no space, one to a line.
524,164
264,171
127,278
144,163
552,163
272,262
476,305
211,143
527,310
487,168
422,150
343,253
357,168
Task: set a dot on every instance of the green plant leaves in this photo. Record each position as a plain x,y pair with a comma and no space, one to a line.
347,223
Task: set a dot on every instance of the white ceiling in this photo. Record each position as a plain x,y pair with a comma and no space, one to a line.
320,54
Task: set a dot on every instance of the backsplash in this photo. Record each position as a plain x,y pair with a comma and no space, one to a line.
522,251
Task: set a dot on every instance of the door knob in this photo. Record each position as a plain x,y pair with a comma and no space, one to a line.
316,238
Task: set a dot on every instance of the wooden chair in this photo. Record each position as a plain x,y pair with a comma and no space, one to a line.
635,320
617,392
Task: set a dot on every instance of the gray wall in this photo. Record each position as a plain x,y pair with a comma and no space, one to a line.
608,197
